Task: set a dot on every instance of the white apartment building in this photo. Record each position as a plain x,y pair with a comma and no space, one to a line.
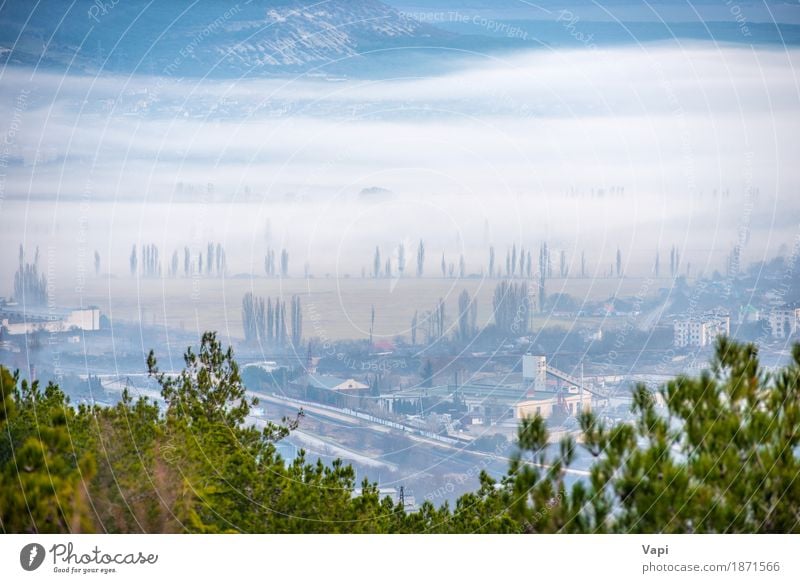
784,322
701,331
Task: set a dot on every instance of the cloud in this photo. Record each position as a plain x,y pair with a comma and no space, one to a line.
671,126
621,115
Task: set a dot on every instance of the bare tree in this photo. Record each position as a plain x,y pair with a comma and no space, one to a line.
420,258
512,309
401,259
436,321
467,317
513,259
297,322
371,327
133,261
30,287
284,263
269,262
253,318
270,321
376,263
544,261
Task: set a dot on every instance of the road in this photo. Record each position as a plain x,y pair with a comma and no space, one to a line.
347,417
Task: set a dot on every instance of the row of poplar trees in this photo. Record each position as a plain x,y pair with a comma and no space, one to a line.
265,320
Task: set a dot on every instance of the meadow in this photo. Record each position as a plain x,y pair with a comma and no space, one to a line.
332,308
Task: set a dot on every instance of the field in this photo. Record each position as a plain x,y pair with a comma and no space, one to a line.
332,308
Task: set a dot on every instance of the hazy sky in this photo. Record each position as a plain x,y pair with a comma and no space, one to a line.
508,141
536,123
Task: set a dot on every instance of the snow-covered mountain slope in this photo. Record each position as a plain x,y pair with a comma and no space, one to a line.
209,37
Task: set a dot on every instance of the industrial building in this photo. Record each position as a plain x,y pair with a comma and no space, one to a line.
541,388
545,404
16,322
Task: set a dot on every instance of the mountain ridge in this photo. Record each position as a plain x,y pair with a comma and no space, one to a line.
204,39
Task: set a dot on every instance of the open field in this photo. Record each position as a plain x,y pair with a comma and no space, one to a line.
332,308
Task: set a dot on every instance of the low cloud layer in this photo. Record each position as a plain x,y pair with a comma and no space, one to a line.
668,129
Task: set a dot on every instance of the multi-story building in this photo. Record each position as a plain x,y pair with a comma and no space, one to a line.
701,331
534,368
785,321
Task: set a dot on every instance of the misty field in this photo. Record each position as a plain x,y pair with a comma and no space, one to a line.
332,308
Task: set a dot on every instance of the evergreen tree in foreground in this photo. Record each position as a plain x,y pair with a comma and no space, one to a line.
721,455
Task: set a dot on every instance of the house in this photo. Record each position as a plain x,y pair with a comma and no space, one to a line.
334,383
330,389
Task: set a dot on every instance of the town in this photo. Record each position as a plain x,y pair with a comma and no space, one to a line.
418,408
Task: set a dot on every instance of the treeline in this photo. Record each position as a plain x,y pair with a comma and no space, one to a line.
145,261
265,320
394,264
513,306
710,462
521,263
271,268
467,317
434,322
30,286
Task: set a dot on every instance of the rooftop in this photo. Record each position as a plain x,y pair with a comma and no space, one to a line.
331,383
